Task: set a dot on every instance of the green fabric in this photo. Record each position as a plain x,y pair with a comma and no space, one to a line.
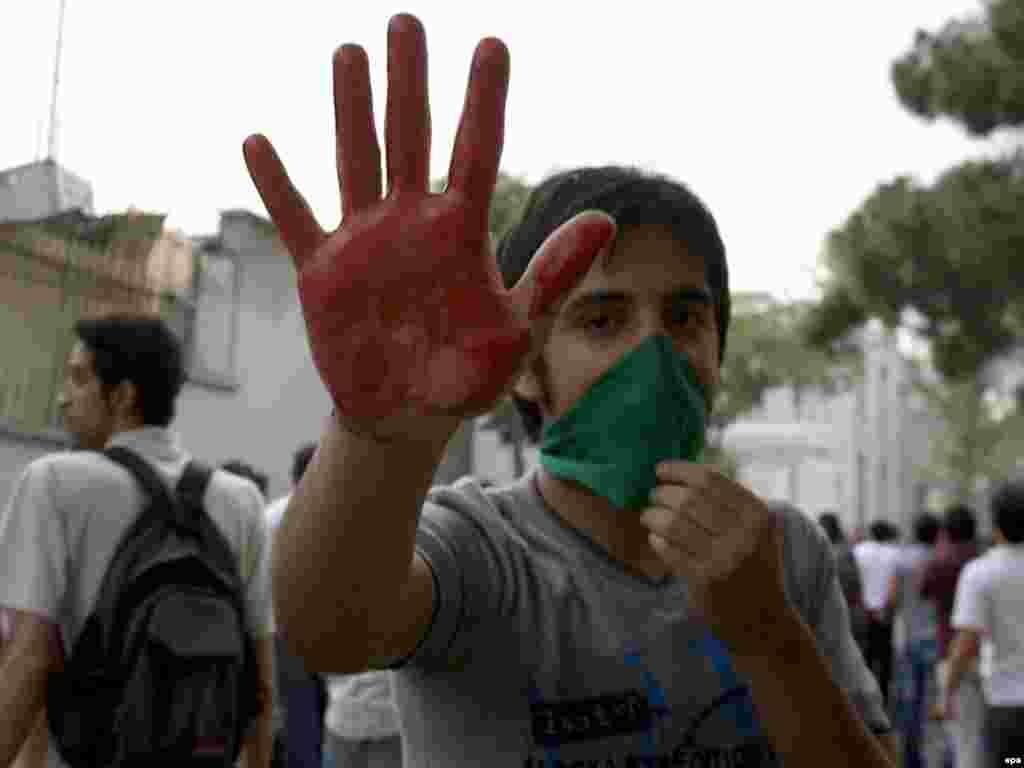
646,408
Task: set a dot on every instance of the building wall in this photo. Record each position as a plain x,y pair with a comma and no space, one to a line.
855,453
38,190
280,401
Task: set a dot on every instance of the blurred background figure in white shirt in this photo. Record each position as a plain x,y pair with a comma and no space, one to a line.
362,722
877,560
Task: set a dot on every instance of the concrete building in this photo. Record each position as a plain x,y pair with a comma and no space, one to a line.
40,189
856,452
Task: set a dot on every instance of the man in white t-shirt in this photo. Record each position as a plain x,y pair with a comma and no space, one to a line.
990,603
69,511
877,558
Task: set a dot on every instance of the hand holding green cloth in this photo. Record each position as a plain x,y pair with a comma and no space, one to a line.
646,408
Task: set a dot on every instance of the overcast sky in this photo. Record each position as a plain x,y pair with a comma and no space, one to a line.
780,115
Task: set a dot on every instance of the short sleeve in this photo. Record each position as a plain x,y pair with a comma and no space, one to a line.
33,550
467,556
971,605
255,561
830,622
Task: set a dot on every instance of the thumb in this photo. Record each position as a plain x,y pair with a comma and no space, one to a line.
560,262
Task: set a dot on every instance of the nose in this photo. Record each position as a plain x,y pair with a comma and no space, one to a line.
653,323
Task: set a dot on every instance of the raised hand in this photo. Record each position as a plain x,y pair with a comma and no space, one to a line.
407,317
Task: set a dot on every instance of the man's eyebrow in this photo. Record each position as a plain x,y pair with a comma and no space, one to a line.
688,295
691,295
596,298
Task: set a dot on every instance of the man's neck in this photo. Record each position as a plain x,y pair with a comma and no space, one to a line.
619,532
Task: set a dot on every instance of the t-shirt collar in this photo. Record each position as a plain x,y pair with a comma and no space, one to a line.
157,442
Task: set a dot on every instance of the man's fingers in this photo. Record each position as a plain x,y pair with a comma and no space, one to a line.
680,529
688,504
358,152
560,263
481,132
407,120
288,210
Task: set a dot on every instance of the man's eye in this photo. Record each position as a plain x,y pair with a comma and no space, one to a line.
684,316
599,323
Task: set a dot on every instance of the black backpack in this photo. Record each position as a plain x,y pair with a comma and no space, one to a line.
164,672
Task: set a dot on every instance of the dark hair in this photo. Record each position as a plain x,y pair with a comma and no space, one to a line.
960,524
883,530
633,198
926,529
240,468
300,460
1008,511
830,523
141,349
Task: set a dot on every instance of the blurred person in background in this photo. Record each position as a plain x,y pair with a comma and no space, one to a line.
848,573
914,636
990,602
876,558
362,722
239,468
964,716
299,739
300,460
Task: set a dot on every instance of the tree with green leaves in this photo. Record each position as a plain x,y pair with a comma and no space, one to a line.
766,350
981,433
948,254
944,259
971,70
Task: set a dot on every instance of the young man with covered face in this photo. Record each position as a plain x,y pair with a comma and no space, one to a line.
624,604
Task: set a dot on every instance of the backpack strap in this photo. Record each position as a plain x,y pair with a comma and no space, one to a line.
161,501
159,509
190,491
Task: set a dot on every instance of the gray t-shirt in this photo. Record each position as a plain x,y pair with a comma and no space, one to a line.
544,651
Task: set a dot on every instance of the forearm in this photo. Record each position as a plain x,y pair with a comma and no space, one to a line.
808,718
345,544
34,752
258,747
961,655
22,697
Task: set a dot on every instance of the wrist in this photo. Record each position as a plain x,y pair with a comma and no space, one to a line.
433,434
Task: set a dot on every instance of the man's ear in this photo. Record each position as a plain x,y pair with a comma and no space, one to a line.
125,400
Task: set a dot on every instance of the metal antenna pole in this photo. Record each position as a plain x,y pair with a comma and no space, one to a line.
58,181
52,145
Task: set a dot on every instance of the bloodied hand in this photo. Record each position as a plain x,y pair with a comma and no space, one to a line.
405,311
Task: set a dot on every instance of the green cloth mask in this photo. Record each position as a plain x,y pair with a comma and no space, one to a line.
646,408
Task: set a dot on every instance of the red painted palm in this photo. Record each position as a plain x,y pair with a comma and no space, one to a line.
405,311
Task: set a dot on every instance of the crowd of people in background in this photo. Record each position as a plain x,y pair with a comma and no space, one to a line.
940,621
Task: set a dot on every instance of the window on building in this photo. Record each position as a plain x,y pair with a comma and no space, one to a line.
213,330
